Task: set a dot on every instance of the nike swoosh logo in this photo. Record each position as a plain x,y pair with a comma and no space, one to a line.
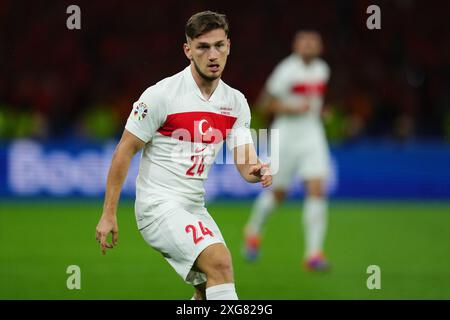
197,150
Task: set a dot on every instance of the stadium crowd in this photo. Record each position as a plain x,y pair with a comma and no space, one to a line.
55,82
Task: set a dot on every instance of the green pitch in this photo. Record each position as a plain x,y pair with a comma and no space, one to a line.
409,241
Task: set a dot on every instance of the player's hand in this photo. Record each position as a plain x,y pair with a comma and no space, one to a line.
106,225
302,108
262,172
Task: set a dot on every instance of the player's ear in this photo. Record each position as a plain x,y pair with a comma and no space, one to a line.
228,46
187,51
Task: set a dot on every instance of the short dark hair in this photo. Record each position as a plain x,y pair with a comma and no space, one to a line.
205,21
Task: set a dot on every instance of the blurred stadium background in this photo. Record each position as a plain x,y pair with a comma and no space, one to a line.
65,96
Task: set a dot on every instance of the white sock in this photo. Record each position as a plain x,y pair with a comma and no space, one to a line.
224,291
263,207
315,224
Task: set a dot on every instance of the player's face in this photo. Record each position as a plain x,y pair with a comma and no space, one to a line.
308,45
209,53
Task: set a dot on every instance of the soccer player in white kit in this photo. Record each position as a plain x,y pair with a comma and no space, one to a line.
181,123
294,92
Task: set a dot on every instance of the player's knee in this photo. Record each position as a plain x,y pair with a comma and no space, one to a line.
279,195
221,267
315,188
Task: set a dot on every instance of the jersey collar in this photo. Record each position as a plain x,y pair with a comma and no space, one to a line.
190,79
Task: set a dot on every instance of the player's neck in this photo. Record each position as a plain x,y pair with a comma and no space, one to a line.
206,87
307,61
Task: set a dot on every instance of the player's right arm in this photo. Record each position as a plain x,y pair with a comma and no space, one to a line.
146,117
127,147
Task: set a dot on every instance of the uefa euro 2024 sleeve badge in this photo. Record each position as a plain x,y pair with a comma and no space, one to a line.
140,111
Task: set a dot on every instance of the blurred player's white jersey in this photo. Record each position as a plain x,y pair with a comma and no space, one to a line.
293,82
303,147
183,133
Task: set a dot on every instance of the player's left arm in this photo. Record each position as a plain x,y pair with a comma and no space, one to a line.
240,141
250,167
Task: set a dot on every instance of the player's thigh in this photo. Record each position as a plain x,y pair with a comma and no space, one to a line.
203,214
214,258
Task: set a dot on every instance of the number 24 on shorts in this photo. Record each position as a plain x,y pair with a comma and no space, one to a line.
204,230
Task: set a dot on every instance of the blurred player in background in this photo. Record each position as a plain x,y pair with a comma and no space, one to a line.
193,109
294,93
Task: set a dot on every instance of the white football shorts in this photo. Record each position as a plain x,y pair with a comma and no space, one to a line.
307,159
180,234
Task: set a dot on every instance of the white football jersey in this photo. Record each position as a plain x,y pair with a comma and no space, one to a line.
183,133
293,82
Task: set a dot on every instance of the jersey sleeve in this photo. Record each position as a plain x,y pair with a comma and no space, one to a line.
324,70
240,133
276,84
147,116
